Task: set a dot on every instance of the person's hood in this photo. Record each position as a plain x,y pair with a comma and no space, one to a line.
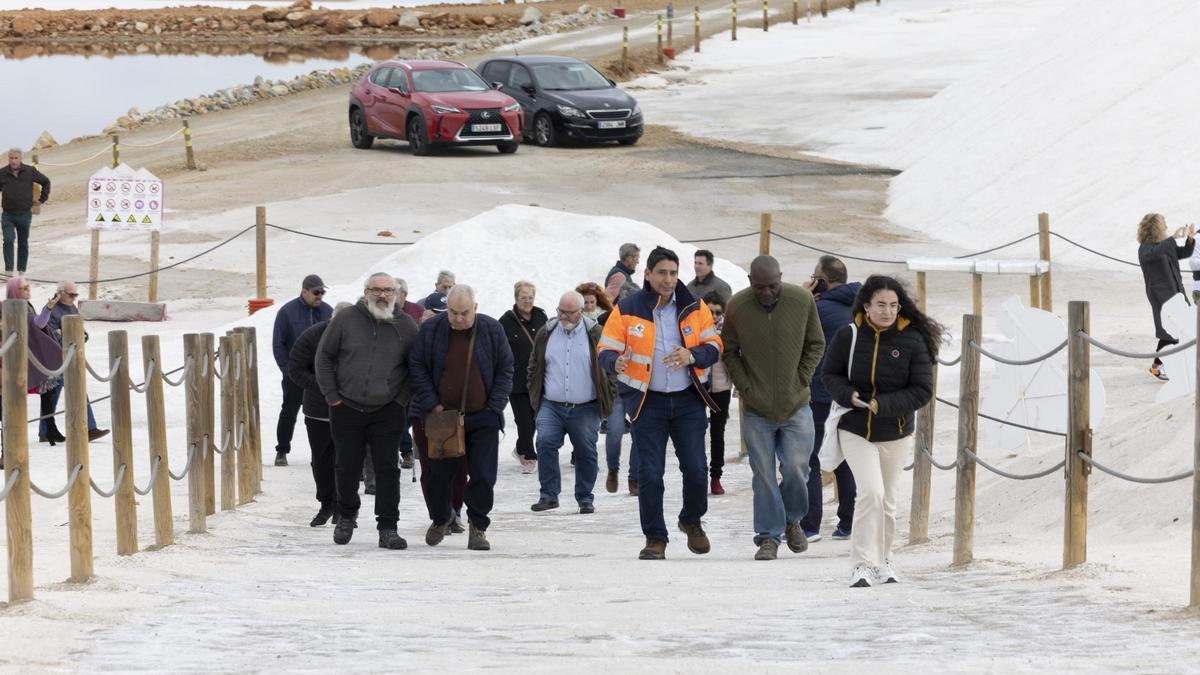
843,295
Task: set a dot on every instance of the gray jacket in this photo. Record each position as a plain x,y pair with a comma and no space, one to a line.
363,361
699,288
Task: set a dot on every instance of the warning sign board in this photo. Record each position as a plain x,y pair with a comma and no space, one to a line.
124,199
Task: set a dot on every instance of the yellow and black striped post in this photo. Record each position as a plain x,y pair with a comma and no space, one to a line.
660,44
671,30
116,145
187,145
733,20
696,39
766,15
625,49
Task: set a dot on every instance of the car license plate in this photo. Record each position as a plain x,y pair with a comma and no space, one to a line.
484,128
613,124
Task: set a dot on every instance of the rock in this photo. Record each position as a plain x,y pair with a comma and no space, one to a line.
199,21
354,24
336,25
22,26
381,18
299,18
409,20
531,15
228,24
44,141
275,14
276,26
280,90
302,4
489,21
584,9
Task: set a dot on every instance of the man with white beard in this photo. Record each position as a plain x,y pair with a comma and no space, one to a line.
362,370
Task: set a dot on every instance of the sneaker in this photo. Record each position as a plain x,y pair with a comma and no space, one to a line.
767,550
344,531
544,504
840,534
456,526
587,508
797,542
390,539
697,541
655,549
477,540
436,533
632,487
406,460
97,434
812,537
528,466
884,574
280,457
322,516
861,576
716,486
610,484
1160,373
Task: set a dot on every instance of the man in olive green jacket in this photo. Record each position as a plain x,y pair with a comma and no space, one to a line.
773,342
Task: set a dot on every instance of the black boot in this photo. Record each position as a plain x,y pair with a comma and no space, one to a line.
344,530
323,516
390,539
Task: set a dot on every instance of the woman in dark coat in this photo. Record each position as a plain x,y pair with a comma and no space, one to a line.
1159,256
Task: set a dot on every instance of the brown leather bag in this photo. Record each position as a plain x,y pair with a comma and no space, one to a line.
445,431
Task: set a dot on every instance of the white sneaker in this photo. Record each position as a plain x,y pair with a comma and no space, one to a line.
528,466
861,576
884,574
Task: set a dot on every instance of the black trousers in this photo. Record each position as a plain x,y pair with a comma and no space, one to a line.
324,460
1159,348
352,431
459,485
483,446
293,397
523,414
716,427
845,479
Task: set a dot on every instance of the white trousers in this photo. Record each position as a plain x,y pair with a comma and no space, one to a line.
877,468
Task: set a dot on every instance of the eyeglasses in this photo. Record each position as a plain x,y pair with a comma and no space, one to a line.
318,292
569,312
72,295
381,291
887,307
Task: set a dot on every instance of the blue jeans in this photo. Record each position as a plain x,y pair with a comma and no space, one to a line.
612,440
789,443
683,418
582,424
52,404
16,226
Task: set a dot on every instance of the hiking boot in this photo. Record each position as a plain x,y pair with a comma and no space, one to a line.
436,533
767,550
390,539
716,487
587,508
632,487
280,457
344,530
455,526
544,504
406,460
656,549
797,542
610,483
697,541
477,540
322,516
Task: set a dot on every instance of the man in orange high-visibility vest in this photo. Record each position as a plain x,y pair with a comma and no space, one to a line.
661,342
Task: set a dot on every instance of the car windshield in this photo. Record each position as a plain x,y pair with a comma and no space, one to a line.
569,76
447,79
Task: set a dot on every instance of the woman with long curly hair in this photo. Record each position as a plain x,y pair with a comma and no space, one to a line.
893,345
1159,256
595,300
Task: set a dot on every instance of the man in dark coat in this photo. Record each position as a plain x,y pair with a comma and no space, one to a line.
520,324
294,317
16,188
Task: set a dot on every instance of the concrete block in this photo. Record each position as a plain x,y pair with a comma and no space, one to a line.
115,310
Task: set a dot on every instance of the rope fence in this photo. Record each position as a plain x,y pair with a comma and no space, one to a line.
1136,355
1017,362
116,484
8,484
1087,459
1014,476
55,495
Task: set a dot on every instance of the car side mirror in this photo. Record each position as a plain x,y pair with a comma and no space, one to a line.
497,85
397,90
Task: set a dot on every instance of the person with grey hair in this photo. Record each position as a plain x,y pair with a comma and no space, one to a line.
436,301
571,394
16,202
619,283
520,324
294,317
61,304
461,361
416,311
362,371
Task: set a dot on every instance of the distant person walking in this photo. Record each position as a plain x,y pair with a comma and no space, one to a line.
16,186
61,304
295,316
706,280
721,389
595,300
435,302
520,324
893,345
619,283
1159,256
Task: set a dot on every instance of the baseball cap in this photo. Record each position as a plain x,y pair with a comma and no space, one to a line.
436,303
313,282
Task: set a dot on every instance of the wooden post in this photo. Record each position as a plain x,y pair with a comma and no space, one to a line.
122,442
918,521
1079,434
766,16
851,5
187,145
37,190
808,11
625,49
795,12
696,37
253,426
207,422
17,516
824,8
764,234
1044,252
260,248
977,293
229,428
671,30
733,21
1195,585
660,40
238,374
968,422
156,432
94,266
153,294
1035,294
192,347
79,499
116,148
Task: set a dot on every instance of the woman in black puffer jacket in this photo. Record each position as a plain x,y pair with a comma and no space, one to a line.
890,379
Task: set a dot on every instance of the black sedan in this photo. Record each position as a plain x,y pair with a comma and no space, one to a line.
564,99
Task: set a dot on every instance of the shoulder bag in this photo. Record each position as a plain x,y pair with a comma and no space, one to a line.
445,431
831,448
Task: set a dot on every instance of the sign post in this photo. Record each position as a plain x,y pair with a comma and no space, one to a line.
122,199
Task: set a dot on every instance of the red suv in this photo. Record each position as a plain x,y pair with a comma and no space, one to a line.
430,103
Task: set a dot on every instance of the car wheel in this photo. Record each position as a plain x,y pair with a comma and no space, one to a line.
508,148
418,137
543,130
359,136
629,141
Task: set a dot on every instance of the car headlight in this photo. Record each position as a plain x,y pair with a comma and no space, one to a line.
637,109
568,111
516,107
443,109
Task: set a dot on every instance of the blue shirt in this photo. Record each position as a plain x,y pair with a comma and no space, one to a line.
667,339
569,366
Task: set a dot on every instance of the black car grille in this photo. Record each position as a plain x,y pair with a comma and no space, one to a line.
484,116
609,114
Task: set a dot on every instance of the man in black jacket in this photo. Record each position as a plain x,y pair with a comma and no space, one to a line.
520,324
294,317
362,369
16,187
